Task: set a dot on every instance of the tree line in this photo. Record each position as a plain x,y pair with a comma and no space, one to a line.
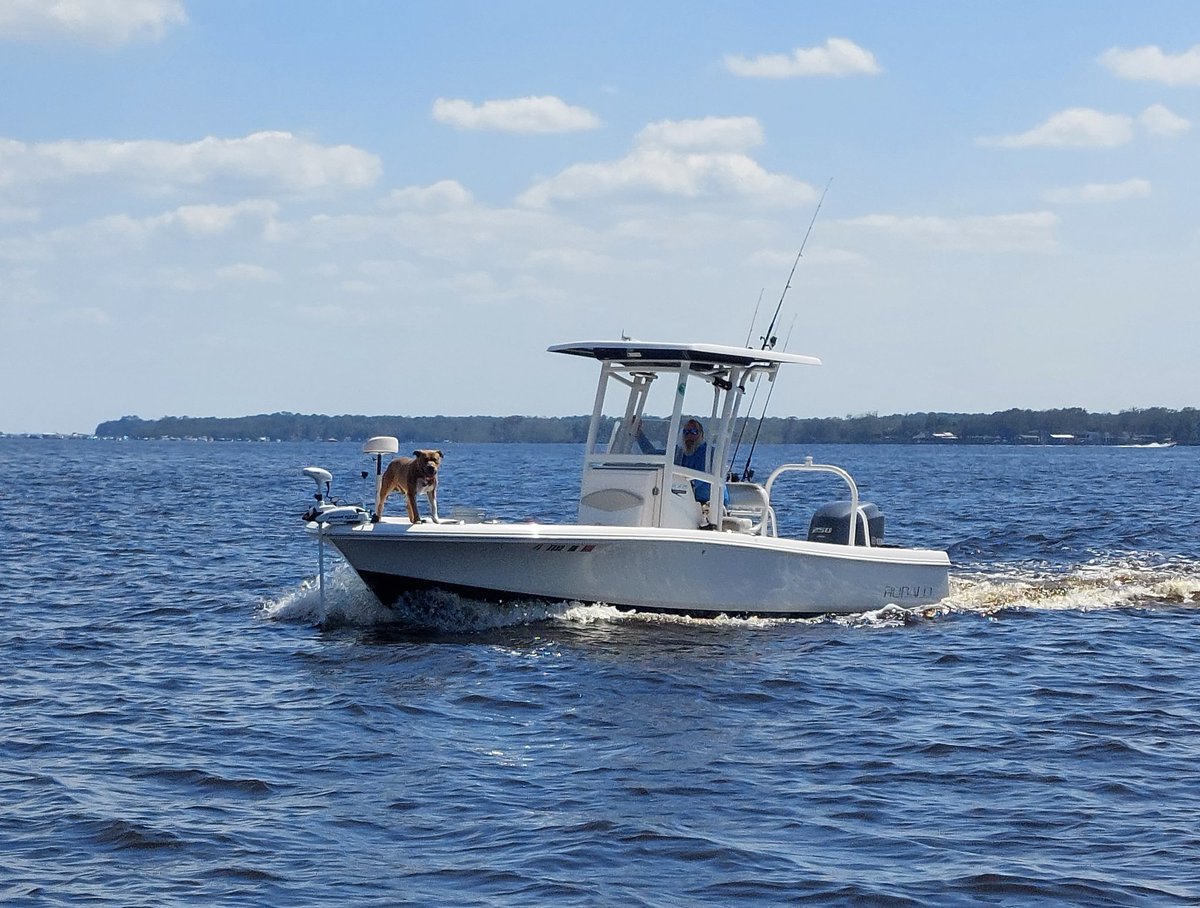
1071,425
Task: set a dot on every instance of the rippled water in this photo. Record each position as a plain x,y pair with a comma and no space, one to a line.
183,721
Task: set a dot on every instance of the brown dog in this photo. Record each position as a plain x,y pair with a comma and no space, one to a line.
411,475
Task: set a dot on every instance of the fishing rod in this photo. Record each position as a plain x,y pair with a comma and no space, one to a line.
769,339
754,318
747,472
749,334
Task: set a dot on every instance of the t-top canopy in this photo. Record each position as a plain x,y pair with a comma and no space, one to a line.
633,352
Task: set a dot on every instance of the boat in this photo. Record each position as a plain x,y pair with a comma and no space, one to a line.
644,538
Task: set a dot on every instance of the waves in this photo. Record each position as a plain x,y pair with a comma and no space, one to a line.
188,720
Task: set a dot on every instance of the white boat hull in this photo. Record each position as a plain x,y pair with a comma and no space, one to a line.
693,572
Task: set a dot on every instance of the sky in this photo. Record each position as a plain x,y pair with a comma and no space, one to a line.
224,208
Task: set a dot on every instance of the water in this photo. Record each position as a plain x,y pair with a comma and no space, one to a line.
182,722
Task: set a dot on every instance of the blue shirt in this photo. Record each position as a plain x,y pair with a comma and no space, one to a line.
697,460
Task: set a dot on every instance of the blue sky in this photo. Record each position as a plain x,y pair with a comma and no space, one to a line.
229,208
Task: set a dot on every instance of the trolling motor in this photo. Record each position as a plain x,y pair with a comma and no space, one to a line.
329,509
325,512
320,477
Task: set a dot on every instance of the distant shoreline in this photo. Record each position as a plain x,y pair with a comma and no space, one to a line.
1012,427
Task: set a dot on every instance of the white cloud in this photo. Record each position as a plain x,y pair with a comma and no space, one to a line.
839,57
1099,192
526,115
24,249
195,220
105,23
570,259
709,133
88,316
444,194
13,215
1079,127
331,314
246,273
661,164
215,219
271,159
1026,232
782,259
1162,121
1150,64
655,171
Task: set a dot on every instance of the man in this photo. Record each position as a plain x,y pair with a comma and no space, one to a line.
692,453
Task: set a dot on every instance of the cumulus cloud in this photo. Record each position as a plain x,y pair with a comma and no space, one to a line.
838,57
1099,192
713,133
1162,121
1083,127
1079,127
1026,232
571,259
273,159
1151,64
542,114
88,316
12,214
440,196
782,259
194,220
216,219
246,273
681,158
659,171
103,23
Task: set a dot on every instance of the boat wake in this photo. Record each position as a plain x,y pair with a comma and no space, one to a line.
348,602
1103,584
1129,583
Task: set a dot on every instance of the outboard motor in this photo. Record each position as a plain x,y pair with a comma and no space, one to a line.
831,523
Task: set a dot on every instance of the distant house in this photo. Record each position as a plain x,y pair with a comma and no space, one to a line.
943,437
1062,438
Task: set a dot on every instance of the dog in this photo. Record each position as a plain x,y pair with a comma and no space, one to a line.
411,475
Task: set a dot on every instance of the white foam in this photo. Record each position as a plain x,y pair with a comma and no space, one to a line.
1131,582
347,601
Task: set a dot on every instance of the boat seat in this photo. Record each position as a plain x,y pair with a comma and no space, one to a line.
749,509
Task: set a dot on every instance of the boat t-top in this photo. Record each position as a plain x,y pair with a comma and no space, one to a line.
651,534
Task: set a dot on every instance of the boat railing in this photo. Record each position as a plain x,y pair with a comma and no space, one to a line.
809,467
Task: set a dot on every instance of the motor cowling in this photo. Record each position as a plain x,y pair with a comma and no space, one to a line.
831,523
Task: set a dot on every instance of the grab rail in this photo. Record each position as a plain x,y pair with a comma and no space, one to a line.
809,467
